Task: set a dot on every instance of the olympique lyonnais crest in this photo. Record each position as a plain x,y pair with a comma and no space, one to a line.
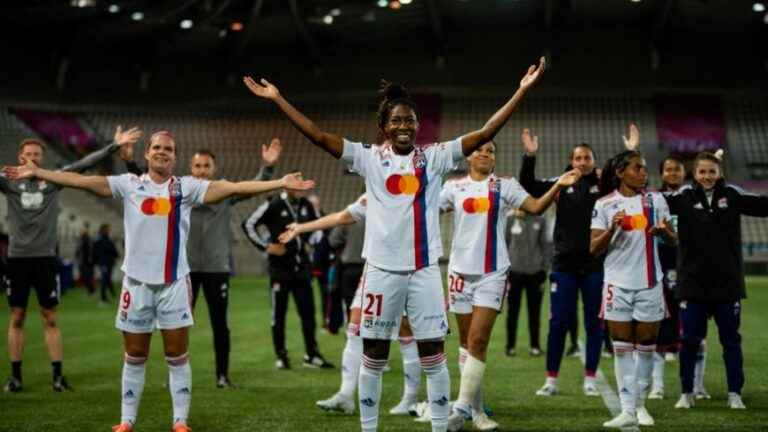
175,188
494,185
419,160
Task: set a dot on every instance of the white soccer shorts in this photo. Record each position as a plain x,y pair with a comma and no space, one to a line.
145,307
644,305
486,290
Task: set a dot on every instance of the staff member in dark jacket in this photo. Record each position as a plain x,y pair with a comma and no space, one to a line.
710,269
289,270
104,256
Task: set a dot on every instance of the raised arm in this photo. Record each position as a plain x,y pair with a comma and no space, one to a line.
221,189
343,217
270,154
471,141
527,175
329,142
750,204
633,142
121,140
96,184
539,205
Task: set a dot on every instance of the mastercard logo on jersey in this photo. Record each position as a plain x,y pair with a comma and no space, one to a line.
634,222
477,205
407,184
156,206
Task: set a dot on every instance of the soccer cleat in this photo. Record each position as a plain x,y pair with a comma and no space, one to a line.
224,382
316,362
686,401
457,418
534,352
622,420
590,389
423,412
701,393
547,390
656,393
482,423
283,363
403,408
573,351
644,418
607,354
181,427
13,385
511,352
122,427
337,402
735,402
60,384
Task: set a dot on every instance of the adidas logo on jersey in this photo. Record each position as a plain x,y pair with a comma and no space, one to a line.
368,402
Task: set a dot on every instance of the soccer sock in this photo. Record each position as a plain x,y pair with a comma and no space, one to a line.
133,385
16,369
643,371
658,371
56,369
471,381
701,364
369,392
411,368
350,361
438,389
624,366
180,386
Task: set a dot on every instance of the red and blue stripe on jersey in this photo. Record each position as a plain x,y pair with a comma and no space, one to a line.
650,240
173,237
420,232
491,239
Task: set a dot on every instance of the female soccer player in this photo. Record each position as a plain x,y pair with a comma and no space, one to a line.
343,400
711,278
156,288
625,223
478,266
402,181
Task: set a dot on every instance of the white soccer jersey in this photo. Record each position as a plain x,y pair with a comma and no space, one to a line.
402,230
357,209
632,260
156,220
479,221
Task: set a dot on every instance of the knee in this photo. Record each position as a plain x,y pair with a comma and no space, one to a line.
376,349
49,319
431,356
135,358
174,358
478,345
430,348
17,319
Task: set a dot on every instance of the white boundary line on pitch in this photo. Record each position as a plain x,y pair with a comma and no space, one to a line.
610,400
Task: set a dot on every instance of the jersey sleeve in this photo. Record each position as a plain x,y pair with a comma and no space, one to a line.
120,184
194,189
513,193
357,209
446,197
445,156
355,156
600,217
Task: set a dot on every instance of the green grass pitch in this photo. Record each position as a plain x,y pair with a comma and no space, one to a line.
271,400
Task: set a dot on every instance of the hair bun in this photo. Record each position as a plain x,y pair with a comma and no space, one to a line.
391,91
719,154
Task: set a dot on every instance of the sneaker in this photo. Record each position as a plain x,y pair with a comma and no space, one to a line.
573,351
547,390
224,382
622,420
670,357
511,352
590,389
339,403
686,401
534,352
404,407
656,393
122,427
13,385
482,423
181,427
423,412
60,384
316,362
283,363
644,418
701,393
735,402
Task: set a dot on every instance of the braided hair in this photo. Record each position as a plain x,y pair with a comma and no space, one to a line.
392,95
609,181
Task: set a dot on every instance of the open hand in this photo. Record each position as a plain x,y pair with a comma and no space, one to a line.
530,142
294,181
270,154
263,89
569,178
290,233
633,142
534,73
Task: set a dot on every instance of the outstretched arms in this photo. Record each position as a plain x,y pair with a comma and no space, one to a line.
220,189
343,217
471,141
539,205
123,140
527,175
329,142
96,184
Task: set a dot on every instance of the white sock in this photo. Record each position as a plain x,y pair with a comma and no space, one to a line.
624,367
438,389
369,392
551,381
133,386
180,386
471,381
643,371
411,368
350,361
658,371
701,365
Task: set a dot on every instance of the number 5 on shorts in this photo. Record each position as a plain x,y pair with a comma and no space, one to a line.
374,299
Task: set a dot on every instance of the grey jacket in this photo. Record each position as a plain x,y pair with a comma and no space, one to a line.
530,243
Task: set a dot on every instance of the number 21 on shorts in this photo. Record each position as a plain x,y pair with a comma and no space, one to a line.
374,302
